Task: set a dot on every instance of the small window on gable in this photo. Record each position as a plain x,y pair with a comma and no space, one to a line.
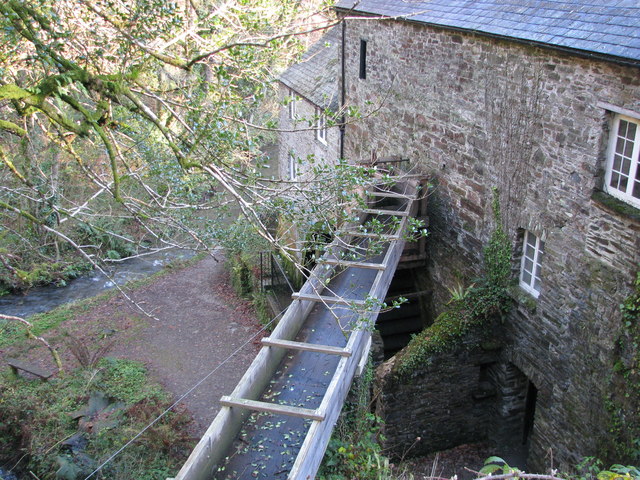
292,105
363,59
532,252
321,126
622,176
293,166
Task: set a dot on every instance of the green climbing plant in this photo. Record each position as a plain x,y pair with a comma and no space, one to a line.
486,299
354,450
623,398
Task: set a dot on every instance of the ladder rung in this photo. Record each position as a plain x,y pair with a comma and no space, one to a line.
309,347
388,194
271,408
326,299
375,211
350,263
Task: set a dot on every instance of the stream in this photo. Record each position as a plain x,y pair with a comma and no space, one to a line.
43,299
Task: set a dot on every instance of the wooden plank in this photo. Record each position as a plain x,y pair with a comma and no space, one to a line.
351,263
271,408
309,347
326,299
375,211
16,365
388,194
419,293
364,358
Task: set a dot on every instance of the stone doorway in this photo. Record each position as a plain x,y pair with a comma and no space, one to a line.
515,413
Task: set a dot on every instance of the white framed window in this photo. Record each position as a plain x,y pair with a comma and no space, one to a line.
321,126
293,166
293,113
532,252
622,176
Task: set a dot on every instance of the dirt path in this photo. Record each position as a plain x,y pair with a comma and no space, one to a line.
201,323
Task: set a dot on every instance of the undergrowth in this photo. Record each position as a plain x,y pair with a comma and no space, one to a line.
245,282
354,450
64,428
484,300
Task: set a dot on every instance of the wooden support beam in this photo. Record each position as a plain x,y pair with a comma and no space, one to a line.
375,211
350,263
309,347
419,293
271,408
388,194
326,299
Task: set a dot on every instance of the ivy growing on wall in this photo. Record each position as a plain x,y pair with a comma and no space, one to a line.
481,302
624,397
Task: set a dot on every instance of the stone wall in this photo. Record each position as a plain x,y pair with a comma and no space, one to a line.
446,404
476,113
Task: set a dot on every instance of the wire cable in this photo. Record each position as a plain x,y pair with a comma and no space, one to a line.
135,437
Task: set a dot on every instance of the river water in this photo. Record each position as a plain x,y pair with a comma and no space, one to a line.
43,299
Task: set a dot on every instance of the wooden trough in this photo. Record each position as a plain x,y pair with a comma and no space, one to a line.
330,318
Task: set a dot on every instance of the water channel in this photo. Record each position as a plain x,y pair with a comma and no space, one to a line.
43,299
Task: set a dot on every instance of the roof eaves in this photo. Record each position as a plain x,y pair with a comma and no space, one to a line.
627,58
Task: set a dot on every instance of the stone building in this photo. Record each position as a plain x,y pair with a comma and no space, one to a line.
541,101
309,92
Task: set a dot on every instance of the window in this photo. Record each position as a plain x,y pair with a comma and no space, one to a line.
293,173
363,59
622,177
532,251
292,105
321,126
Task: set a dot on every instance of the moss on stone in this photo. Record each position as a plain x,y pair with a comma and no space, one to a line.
467,310
615,205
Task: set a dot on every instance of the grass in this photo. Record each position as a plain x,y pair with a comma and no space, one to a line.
66,427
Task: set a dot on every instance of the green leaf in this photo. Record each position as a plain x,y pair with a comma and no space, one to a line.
489,469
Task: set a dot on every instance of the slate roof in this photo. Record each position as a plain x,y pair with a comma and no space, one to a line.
603,27
315,76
